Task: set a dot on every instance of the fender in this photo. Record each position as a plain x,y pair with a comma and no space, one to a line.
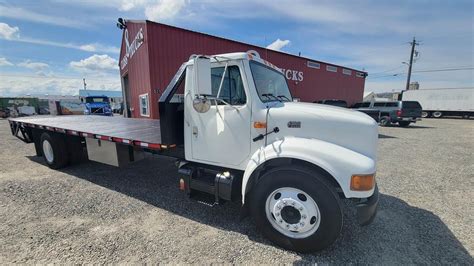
341,163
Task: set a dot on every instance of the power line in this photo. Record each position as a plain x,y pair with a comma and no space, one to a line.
385,71
391,75
423,71
445,69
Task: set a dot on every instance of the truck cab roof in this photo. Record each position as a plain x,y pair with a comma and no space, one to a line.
249,55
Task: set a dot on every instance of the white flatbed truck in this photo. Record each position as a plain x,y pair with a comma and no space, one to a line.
237,135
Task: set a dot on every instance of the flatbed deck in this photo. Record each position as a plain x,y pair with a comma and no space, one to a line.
138,132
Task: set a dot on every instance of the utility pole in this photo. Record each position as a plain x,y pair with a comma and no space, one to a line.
85,85
413,44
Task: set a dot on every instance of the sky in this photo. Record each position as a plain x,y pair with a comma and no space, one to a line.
48,47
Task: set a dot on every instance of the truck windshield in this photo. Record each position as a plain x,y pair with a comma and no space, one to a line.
97,100
271,85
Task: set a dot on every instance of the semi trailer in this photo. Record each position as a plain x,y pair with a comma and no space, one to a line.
231,123
443,102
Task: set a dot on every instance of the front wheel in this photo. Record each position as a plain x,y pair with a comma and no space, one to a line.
297,209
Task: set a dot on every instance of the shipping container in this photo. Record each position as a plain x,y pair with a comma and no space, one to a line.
152,52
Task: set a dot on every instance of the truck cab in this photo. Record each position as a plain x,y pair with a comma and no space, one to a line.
97,105
291,161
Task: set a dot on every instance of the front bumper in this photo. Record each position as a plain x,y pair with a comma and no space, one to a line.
367,210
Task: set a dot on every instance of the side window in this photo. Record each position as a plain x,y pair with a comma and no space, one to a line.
232,90
178,96
392,104
367,104
379,104
144,104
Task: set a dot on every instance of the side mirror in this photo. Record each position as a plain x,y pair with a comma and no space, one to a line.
202,75
201,104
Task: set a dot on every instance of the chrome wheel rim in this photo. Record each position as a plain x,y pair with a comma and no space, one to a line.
292,212
48,151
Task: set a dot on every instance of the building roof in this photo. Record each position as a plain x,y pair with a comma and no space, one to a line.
217,37
113,94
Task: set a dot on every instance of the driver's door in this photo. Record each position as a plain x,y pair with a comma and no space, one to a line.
221,136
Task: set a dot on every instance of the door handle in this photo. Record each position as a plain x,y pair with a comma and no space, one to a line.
195,131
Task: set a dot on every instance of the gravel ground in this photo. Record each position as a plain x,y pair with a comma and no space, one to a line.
95,213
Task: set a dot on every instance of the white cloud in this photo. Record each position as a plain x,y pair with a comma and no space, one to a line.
164,9
13,34
97,47
278,44
95,63
127,5
5,62
15,84
23,14
157,10
8,32
37,66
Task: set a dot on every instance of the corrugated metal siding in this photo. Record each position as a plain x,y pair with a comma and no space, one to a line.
168,47
138,71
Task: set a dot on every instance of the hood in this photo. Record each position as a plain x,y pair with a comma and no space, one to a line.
348,128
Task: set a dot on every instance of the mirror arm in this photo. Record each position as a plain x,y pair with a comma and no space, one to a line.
222,81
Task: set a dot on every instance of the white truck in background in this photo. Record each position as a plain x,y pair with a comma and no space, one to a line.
443,102
236,133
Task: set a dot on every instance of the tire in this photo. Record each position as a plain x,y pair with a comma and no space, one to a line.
404,123
437,114
54,151
317,231
384,121
425,114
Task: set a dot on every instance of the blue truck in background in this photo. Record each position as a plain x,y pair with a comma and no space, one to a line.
97,105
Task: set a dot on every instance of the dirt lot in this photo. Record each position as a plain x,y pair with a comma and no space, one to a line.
95,213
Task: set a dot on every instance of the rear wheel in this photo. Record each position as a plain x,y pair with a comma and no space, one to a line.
54,151
437,114
384,121
425,114
297,209
404,123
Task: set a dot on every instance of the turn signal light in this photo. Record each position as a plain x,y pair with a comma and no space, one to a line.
362,182
259,125
182,185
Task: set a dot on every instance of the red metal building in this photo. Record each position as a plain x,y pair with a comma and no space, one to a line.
151,53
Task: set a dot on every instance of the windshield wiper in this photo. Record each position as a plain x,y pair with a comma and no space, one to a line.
269,95
283,96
